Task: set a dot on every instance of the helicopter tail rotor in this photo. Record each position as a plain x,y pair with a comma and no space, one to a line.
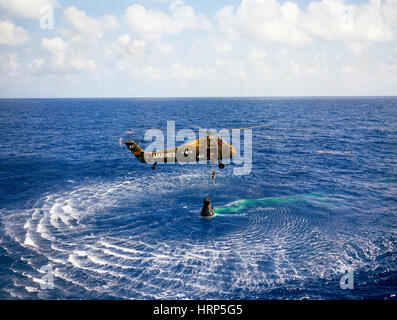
121,142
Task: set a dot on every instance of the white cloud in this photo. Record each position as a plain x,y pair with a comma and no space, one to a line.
8,68
347,69
64,59
271,21
220,45
136,47
164,48
179,71
55,45
58,49
87,27
36,64
231,69
358,48
80,63
153,24
389,68
249,53
12,35
338,21
263,20
126,49
124,40
257,54
8,62
30,9
147,73
223,62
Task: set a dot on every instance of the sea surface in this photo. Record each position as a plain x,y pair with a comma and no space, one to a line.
81,212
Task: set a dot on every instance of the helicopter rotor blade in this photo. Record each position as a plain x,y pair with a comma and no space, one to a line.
129,135
230,129
208,132
198,127
252,127
164,129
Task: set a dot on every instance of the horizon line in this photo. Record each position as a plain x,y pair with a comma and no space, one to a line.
206,97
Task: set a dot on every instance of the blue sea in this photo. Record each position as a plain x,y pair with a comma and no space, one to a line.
320,202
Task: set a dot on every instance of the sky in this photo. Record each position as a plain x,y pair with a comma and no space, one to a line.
198,48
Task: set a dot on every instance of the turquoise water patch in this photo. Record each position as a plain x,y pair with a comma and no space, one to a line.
240,205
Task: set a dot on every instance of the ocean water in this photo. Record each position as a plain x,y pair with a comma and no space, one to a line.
321,199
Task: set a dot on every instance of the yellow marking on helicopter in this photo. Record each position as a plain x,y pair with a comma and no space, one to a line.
212,148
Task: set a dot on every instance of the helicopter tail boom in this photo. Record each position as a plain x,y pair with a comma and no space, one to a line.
136,150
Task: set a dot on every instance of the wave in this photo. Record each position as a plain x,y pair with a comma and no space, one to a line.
97,243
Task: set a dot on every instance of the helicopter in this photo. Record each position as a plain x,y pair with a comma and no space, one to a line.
208,148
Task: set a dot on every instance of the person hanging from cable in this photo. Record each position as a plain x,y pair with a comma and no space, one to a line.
213,176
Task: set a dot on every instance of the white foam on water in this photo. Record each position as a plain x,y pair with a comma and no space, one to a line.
54,218
31,289
43,231
27,224
124,249
29,240
58,274
179,268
